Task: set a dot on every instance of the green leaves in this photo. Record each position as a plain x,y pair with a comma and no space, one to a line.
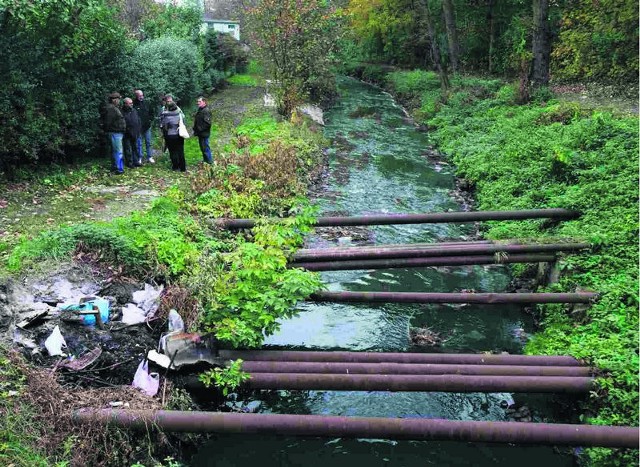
227,379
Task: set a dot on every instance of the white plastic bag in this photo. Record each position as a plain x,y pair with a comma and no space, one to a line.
148,299
131,314
176,324
55,342
147,382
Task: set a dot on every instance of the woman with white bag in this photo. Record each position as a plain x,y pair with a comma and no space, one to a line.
174,132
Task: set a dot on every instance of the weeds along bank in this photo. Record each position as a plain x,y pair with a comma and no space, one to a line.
234,285
553,154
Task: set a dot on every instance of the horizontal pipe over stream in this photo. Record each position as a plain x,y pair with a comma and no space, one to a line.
428,218
432,297
435,383
399,357
420,262
365,427
411,369
410,251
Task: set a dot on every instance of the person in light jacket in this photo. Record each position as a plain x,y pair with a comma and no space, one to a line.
169,123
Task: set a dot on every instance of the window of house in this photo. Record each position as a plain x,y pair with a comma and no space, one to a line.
232,26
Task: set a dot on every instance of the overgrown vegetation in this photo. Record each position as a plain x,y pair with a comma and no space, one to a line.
556,154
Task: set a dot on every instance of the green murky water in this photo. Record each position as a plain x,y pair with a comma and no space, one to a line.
378,164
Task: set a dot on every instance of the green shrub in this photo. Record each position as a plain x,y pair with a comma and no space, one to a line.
166,65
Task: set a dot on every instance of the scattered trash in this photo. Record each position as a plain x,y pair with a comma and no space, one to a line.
32,319
21,339
160,359
176,324
86,306
55,342
145,381
181,349
77,364
148,299
116,404
131,314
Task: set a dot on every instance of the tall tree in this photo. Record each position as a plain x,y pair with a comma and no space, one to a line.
491,19
541,43
296,39
435,49
452,33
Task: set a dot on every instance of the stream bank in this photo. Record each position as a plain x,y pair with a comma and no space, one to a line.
378,164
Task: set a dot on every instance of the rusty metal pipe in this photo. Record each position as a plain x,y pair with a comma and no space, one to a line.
397,357
428,218
411,369
419,262
365,427
423,252
404,245
435,383
484,298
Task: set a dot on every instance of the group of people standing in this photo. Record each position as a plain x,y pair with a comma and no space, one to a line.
128,128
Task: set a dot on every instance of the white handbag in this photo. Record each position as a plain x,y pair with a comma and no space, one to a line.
182,129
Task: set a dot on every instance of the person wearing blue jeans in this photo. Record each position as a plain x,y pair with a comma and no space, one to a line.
116,151
114,126
147,116
202,129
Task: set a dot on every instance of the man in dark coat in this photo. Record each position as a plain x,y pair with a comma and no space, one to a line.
202,129
131,134
114,126
147,116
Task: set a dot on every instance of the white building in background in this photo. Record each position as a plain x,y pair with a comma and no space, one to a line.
222,25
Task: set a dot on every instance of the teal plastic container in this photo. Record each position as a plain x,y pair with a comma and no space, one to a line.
103,307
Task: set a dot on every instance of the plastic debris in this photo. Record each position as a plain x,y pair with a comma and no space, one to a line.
131,314
81,363
148,299
145,381
176,324
33,319
55,342
21,339
160,359
88,304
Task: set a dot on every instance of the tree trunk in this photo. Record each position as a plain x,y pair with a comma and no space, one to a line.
435,50
492,32
541,43
452,33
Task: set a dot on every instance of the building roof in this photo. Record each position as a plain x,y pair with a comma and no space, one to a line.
207,19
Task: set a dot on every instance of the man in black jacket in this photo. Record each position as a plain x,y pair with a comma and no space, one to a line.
147,116
131,134
114,126
202,129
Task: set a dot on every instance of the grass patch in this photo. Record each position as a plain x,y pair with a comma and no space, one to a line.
242,80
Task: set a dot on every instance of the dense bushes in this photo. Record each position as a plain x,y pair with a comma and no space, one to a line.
60,59
164,65
558,154
57,60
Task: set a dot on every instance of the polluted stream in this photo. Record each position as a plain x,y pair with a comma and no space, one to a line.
379,163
